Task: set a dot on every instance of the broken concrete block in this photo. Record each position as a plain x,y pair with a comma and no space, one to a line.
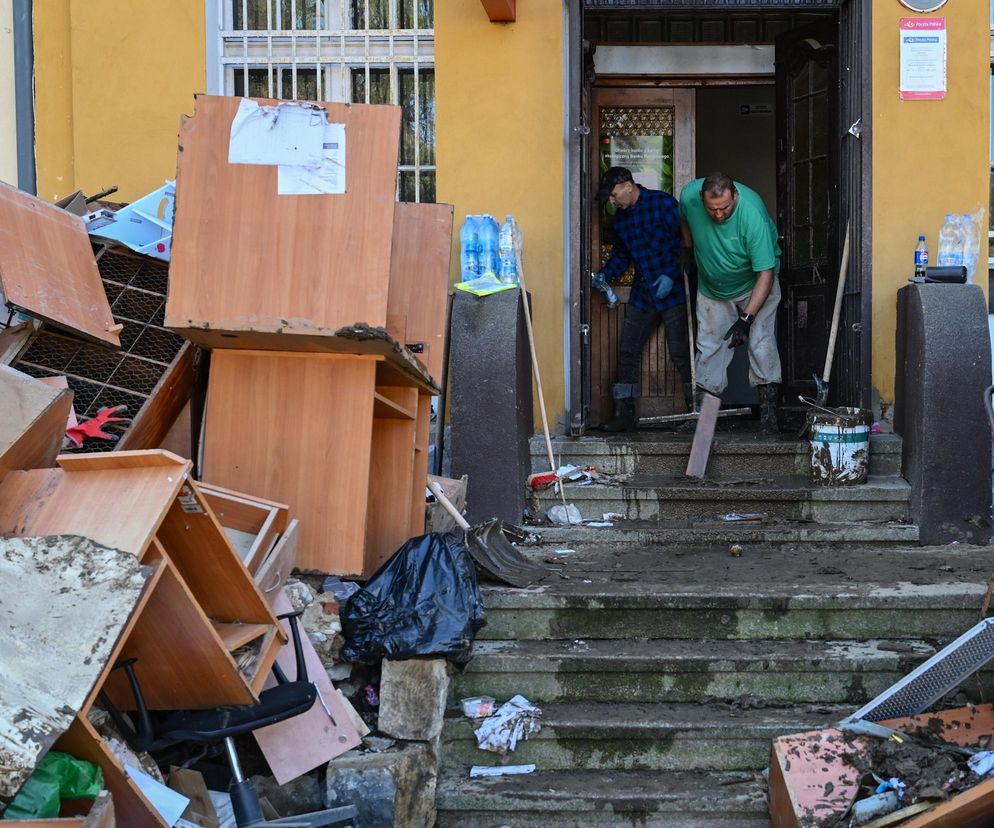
413,693
392,789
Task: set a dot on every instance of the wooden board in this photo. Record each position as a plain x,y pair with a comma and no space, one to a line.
419,279
700,450
391,477
162,408
302,743
420,480
277,566
245,258
34,421
118,499
247,520
296,428
68,601
48,269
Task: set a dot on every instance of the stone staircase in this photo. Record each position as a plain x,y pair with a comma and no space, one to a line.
665,665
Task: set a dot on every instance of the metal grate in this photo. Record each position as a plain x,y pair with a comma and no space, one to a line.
928,683
100,377
358,51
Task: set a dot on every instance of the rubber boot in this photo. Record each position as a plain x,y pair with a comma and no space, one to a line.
624,416
688,395
769,395
690,426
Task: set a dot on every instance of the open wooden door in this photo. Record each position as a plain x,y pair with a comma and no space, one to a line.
807,199
650,131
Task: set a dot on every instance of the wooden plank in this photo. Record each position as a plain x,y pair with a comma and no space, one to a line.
235,635
34,421
970,809
48,269
182,663
163,406
700,451
422,430
130,806
304,742
500,11
419,278
391,477
245,258
67,601
297,428
251,524
277,566
386,409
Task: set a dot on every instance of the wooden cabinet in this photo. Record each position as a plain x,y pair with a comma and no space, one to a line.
203,634
340,438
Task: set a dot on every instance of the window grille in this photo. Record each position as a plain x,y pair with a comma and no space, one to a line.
358,51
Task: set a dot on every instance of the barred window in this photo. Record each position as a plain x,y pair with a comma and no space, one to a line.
359,51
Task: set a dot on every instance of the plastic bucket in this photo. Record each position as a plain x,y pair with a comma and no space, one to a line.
840,446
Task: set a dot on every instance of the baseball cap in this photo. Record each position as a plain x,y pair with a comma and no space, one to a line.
615,175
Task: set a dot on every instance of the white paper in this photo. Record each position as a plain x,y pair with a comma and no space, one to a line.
326,177
289,133
923,58
168,803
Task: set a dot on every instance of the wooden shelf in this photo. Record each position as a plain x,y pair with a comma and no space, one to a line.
234,635
387,409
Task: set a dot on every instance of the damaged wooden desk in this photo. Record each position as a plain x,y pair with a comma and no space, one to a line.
203,634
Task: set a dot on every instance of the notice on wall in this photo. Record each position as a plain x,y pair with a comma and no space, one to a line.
923,58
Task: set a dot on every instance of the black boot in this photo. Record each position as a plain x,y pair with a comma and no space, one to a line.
690,426
769,396
624,416
688,395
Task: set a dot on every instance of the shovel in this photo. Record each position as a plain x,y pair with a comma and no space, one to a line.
491,549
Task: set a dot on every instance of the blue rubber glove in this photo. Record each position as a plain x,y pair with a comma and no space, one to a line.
663,286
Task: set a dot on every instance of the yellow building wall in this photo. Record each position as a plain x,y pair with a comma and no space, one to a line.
499,127
111,82
929,158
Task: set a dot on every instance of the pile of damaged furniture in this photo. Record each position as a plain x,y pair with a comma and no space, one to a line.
188,418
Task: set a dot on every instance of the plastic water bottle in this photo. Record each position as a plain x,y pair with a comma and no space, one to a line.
469,263
951,242
489,257
921,259
508,262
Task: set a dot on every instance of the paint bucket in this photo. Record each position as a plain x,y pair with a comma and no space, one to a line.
840,446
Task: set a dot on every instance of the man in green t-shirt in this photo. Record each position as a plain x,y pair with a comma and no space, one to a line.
734,241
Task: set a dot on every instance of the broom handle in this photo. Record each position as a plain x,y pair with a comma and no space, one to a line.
690,335
843,273
447,505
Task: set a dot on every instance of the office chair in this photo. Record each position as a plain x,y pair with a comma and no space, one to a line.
148,731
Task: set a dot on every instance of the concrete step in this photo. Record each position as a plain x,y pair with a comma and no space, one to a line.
772,592
732,454
718,533
661,737
581,799
649,497
838,672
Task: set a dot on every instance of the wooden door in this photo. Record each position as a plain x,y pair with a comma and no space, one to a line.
807,199
651,132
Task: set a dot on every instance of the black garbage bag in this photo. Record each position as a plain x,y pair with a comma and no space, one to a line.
424,601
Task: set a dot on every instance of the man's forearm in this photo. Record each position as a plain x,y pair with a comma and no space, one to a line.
760,293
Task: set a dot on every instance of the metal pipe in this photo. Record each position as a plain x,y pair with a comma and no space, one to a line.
236,768
24,105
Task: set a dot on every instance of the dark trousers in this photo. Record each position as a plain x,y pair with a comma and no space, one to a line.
638,327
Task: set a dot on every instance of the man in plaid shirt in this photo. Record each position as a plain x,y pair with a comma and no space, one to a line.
647,234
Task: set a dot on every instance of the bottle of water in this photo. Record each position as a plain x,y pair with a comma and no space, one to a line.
489,232
921,259
469,263
508,261
951,242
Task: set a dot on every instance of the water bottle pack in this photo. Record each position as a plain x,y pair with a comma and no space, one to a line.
960,240
490,250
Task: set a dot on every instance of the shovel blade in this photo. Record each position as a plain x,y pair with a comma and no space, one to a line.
497,557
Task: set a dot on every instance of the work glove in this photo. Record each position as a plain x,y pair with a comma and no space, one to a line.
598,282
663,286
94,428
738,334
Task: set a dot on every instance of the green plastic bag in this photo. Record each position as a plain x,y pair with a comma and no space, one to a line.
58,776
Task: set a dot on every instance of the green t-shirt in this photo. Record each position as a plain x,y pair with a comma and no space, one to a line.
730,255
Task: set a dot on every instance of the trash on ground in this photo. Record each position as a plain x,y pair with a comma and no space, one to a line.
478,707
500,770
600,524
514,721
565,551
567,515
747,517
588,475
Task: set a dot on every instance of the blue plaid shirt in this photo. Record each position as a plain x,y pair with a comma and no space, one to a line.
648,235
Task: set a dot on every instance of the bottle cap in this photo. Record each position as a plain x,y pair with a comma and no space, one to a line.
921,238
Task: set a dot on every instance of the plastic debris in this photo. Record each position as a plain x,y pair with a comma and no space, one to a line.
600,524
515,721
370,696
565,551
500,770
982,763
736,517
588,475
567,515
478,707
343,590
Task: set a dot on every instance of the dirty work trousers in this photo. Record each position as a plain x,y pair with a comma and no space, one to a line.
714,318
638,327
